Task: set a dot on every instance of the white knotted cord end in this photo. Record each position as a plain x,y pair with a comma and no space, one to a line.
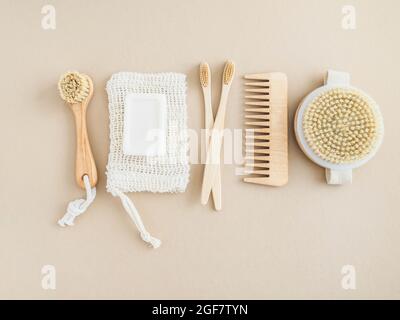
155,243
134,214
79,206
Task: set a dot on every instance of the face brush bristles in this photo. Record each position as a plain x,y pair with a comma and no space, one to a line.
74,87
340,126
266,160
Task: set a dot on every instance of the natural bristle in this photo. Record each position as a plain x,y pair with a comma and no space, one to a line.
340,126
229,72
74,87
204,74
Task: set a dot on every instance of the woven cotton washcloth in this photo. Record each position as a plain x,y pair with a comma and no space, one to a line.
137,100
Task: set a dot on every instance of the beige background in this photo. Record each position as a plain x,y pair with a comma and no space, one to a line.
268,243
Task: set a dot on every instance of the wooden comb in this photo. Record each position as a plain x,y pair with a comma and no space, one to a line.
266,137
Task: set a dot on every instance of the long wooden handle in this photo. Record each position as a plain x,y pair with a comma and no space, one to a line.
212,166
214,149
85,164
209,123
217,190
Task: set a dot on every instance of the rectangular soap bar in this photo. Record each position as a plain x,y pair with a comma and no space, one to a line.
145,125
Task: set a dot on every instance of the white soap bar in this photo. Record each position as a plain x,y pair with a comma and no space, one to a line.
145,125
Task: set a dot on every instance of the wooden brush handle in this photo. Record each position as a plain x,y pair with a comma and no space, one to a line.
85,164
214,150
209,123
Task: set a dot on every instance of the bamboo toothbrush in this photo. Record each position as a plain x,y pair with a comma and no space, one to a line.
214,148
205,81
77,90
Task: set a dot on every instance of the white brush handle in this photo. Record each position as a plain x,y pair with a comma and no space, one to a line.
337,78
209,123
214,148
339,177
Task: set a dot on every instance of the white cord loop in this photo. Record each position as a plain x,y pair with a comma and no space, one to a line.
134,214
79,206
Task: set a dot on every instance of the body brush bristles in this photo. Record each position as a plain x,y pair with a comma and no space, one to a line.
340,126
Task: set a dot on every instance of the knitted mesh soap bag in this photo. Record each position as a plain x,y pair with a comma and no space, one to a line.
164,171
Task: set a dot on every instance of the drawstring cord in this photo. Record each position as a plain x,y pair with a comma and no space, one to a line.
134,215
77,207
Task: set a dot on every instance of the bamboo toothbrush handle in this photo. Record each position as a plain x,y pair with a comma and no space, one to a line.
209,123
212,166
217,190
85,164
209,118
214,149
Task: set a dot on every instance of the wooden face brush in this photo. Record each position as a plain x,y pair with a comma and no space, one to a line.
267,129
214,149
77,89
339,127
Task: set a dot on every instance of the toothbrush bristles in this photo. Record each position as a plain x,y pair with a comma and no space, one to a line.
204,74
229,72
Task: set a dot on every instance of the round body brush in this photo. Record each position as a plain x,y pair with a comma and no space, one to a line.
76,89
339,127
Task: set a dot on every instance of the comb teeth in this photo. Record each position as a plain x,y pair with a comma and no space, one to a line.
258,84
264,103
266,133
256,90
258,96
